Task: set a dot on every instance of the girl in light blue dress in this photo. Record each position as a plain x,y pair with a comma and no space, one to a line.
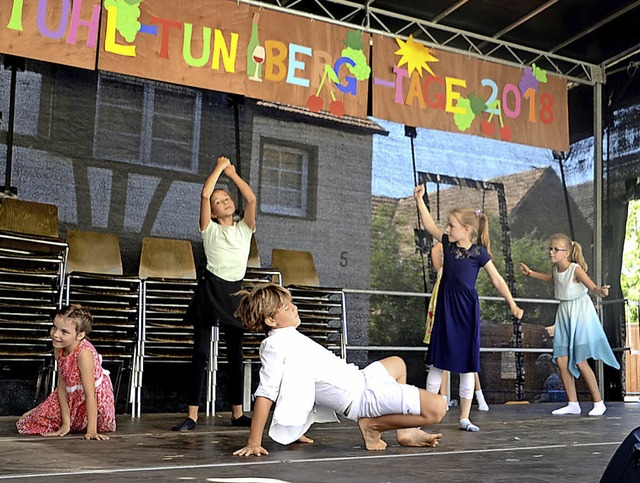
577,332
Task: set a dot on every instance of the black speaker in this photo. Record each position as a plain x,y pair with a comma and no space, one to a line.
624,466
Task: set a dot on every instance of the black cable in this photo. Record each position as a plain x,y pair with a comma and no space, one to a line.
236,101
561,157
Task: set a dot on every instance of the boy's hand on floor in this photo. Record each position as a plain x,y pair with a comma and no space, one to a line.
249,450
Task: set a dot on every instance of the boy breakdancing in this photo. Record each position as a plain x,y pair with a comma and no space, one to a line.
309,383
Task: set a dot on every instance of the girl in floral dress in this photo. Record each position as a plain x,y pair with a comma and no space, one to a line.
84,399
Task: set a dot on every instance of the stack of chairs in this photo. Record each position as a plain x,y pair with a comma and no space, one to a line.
255,275
32,267
167,269
322,310
252,340
168,273
95,280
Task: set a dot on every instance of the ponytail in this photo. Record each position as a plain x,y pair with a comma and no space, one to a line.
577,256
483,233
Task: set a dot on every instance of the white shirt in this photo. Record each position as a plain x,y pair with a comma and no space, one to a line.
227,249
297,373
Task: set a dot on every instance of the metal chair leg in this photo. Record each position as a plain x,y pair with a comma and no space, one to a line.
212,371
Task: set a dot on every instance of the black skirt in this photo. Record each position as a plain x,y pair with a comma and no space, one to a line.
214,301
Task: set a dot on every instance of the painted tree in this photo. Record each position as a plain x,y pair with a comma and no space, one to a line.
531,251
394,320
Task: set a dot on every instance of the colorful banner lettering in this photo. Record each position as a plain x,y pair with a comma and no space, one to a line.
227,46
230,47
424,87
58,31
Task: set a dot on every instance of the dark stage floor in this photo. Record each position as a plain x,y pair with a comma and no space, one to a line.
523,443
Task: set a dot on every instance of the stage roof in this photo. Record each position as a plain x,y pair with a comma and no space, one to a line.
589,31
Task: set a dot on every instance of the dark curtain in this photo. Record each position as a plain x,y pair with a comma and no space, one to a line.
614,313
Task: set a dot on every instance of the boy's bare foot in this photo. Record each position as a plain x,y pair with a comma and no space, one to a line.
304,439
372,438
417,437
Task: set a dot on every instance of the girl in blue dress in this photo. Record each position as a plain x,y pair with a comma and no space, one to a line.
577,332
455,337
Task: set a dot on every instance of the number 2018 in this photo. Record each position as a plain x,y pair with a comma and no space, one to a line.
511,93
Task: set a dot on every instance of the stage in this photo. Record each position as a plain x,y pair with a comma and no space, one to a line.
516,442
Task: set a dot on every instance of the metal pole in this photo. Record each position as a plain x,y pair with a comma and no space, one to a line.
411,133
12,117
236,124
597,189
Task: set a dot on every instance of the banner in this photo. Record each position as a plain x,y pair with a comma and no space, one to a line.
226,46
423,87
58,31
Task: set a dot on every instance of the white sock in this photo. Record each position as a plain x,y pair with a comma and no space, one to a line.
598,409
482,404
467,425
446,400
571,408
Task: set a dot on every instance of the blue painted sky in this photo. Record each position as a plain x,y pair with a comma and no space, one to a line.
452,154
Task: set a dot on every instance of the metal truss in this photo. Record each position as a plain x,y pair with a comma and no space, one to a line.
377,21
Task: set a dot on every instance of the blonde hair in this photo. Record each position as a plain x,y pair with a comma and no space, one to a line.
477,222
80,316
575,249
260,303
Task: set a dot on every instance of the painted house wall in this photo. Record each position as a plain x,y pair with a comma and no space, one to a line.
338,230
56,160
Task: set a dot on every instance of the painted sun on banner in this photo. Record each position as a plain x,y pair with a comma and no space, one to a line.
419,86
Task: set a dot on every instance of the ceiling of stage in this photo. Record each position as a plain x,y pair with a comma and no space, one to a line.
563,36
